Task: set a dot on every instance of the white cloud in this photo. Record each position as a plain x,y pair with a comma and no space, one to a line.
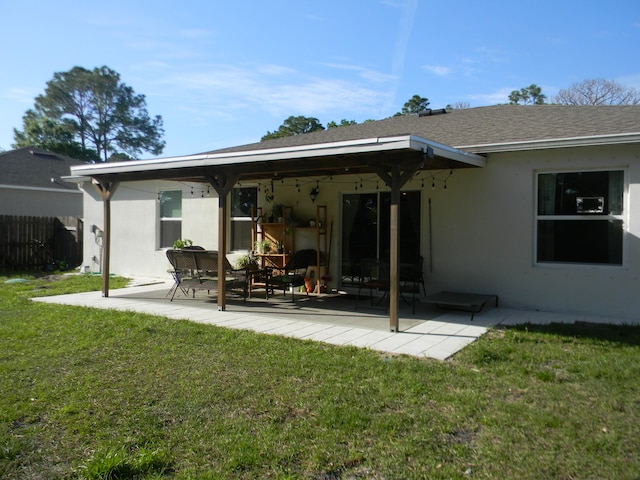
22,95
404,34
363,72
439,70
225,90
492,98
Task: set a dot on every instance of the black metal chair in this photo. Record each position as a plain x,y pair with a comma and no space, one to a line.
293,273
374,276
411,277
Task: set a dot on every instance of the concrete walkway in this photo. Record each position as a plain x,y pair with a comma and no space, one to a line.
428,333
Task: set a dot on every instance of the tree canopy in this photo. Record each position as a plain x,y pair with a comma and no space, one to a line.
598,91
531,95
91,115
415,104
295,126
343,123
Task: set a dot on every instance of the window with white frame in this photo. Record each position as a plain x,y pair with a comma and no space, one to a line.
580,217
244,201
170,217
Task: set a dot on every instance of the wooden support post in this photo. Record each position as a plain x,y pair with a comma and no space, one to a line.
222,184
106,191
395,180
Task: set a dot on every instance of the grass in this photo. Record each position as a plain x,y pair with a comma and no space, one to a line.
100,394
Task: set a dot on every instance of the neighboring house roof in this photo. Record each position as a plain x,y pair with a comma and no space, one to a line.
36,168
484,129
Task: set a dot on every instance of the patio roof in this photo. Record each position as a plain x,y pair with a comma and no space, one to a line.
344,157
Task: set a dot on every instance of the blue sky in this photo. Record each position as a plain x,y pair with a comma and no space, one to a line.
223,73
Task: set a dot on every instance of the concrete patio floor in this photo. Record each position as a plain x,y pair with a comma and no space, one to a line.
430,332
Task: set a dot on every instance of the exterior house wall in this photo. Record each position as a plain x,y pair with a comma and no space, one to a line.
40,202
484,236
482,230
135,227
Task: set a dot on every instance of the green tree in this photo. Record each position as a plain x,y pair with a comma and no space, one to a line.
598,91
343,123
295,126
415,104
94,110
531,95
39,131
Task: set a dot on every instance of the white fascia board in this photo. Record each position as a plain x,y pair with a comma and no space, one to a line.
451,153
614,139
304,151
75,178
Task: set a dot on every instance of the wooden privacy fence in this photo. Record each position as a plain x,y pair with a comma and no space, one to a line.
40,243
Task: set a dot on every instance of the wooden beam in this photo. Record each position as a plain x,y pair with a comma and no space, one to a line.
106,191
222,184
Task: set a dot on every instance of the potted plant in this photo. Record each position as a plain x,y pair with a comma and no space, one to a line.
182,243
248,261
263,246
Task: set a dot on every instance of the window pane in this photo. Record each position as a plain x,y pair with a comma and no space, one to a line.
243,200
170,231
579,193
241,235
171,204
580,241
359,230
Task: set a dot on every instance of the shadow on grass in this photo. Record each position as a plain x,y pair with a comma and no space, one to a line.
624,334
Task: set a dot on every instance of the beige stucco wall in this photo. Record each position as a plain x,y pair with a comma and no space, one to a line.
135,226
483,236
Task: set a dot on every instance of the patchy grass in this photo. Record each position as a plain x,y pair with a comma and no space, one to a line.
103,394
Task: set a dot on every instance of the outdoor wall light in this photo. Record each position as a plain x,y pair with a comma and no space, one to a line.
313,194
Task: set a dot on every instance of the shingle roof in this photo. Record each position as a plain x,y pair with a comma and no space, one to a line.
35,167
480,126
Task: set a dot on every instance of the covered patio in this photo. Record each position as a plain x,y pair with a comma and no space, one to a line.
395,160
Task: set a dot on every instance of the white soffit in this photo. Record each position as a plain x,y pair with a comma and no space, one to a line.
368,145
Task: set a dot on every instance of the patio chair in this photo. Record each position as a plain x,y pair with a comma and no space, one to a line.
184,271
374,275
292,274
411,277
235,279
198,270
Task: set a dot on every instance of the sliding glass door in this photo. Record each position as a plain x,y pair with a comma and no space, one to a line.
365,229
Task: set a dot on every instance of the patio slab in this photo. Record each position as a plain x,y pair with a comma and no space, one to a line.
429,332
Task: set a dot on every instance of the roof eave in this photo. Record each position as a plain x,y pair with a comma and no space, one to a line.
594,140
368,145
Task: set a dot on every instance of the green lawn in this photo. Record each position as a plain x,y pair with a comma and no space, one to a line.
88,393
